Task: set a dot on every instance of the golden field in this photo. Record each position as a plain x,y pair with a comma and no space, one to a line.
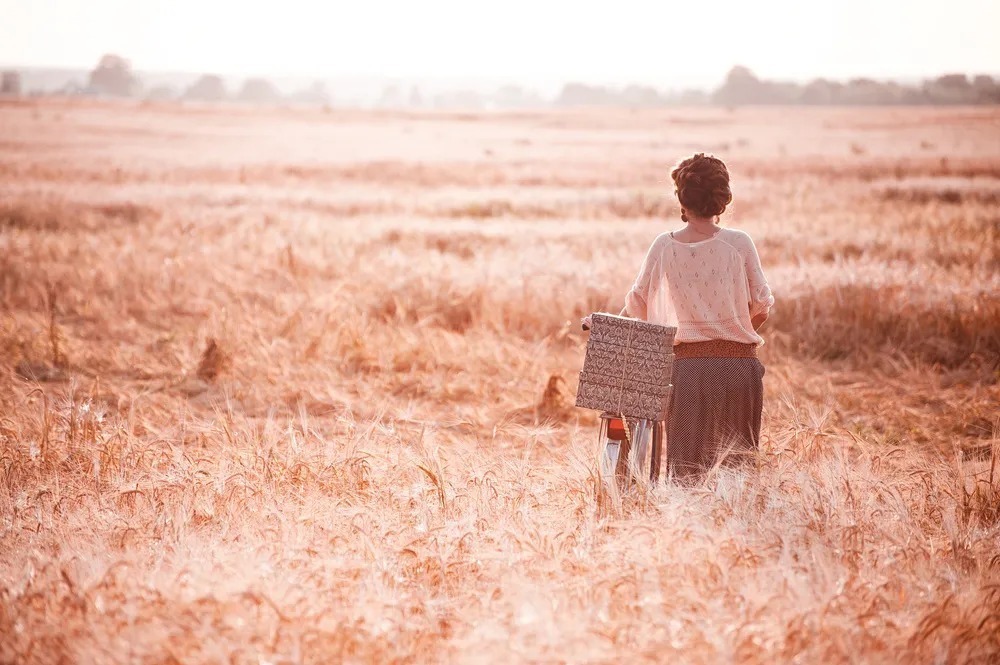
283,386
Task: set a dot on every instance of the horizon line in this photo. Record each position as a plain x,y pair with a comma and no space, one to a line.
505,78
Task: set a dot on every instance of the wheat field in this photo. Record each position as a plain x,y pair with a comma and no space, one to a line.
296,385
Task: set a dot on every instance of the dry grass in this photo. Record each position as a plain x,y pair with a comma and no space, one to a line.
277,388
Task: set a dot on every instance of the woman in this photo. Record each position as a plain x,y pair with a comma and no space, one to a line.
707,281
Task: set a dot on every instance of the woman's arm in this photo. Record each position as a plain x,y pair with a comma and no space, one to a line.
761,298
638,296
635,300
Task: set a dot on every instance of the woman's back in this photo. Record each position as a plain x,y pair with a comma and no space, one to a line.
711,289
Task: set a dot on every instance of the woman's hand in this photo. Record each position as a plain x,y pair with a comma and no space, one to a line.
587,321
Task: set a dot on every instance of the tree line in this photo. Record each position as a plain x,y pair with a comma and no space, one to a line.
114,77
742,87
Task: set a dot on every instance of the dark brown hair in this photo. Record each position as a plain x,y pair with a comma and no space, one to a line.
701,183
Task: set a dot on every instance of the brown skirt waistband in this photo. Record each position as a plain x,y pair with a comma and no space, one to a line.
715,348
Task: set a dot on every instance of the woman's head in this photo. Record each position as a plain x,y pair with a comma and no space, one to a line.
701,183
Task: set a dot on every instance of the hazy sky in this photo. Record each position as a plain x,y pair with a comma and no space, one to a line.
615,41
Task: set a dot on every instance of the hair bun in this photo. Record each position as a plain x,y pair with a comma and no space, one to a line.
702,185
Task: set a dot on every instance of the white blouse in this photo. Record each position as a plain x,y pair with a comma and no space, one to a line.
709,289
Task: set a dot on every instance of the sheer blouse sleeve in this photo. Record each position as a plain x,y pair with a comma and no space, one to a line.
761,298
637,299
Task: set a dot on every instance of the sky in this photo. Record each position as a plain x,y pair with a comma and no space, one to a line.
612,42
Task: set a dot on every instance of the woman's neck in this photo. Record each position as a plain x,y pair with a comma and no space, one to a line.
698,221
705,226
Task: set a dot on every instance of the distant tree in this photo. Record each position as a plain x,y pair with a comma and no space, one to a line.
208,88
820,91
258,91
863,91
955,81
950,89
574,94
113,76
581,94
10,83
741,87
987,91
894,93
983,82
910,95
314,94
779,92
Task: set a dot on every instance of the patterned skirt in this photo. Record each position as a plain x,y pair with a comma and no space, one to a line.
714,412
